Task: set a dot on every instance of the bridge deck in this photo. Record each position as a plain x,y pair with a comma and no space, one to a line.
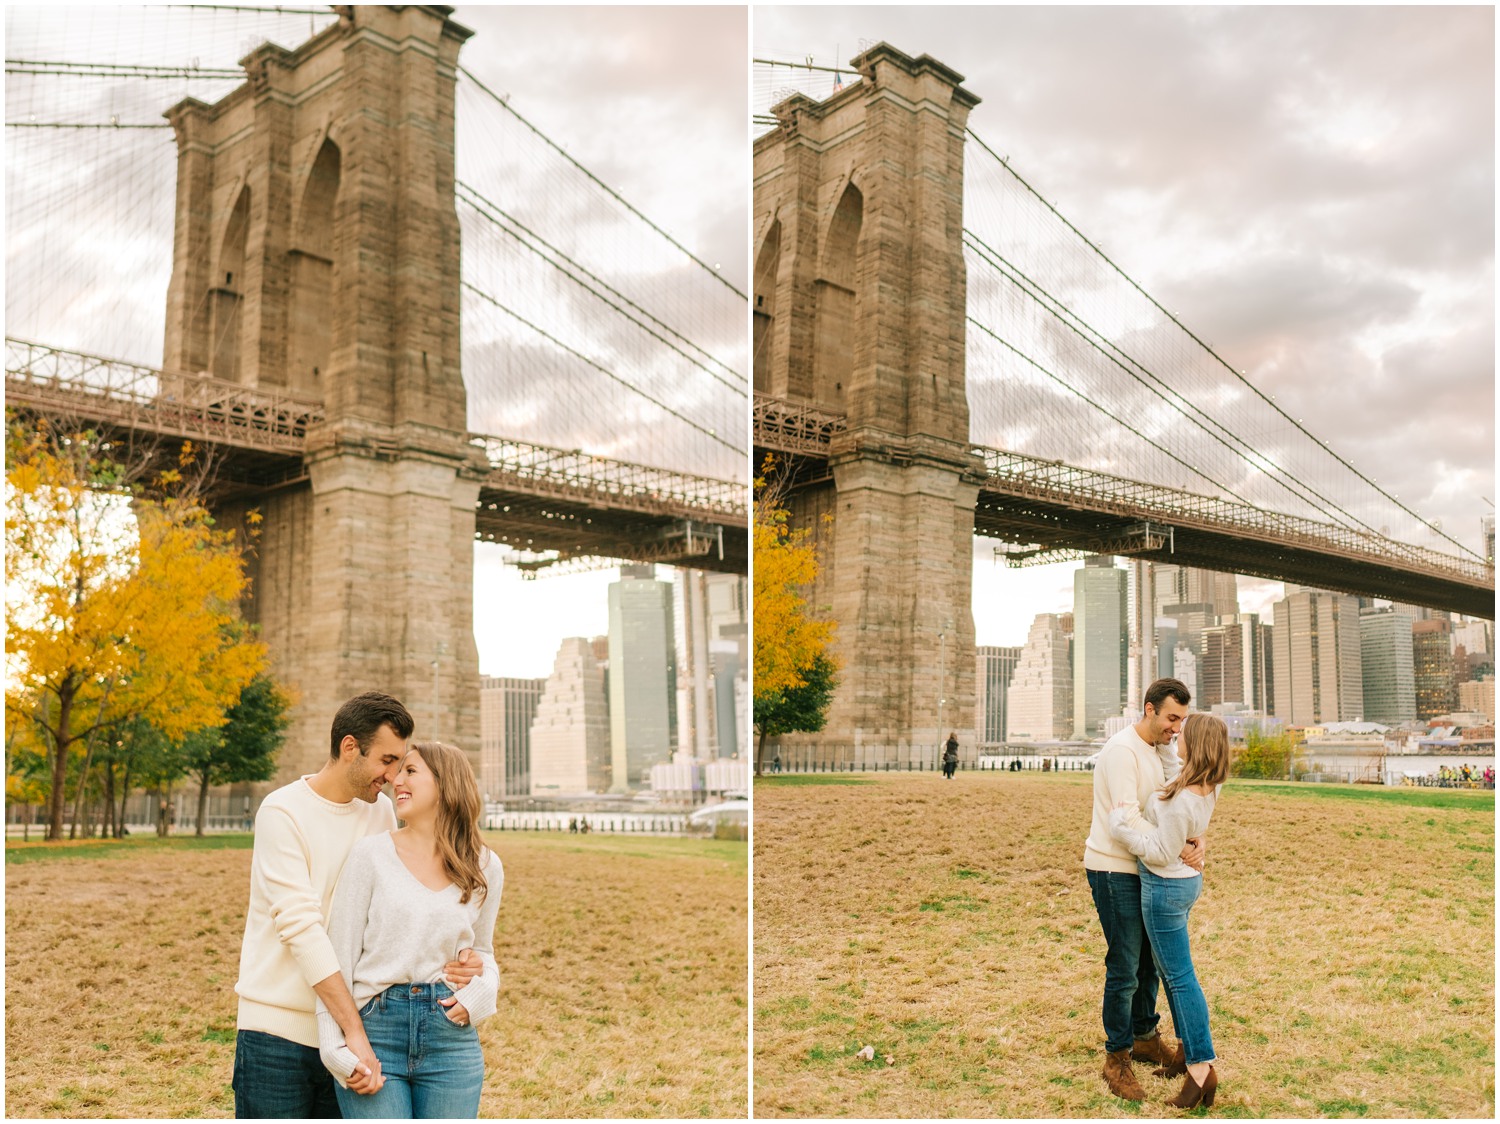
1051,507
549,502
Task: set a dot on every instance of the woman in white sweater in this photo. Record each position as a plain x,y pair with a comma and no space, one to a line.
1169,887
407,902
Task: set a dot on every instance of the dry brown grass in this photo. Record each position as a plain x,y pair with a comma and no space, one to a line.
622,991
1345,942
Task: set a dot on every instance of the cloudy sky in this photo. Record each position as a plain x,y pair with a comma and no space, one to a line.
1310,189
652,100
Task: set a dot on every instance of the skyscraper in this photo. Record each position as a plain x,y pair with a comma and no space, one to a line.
570,735
1039,703
1385,645
1432,667
710,612
992,680
1236,664
1317,656
1099,644
642,677
507,708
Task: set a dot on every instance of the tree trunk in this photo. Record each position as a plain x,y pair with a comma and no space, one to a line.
161,812
124,796
202,802
107,825
83,786
760,750
57,798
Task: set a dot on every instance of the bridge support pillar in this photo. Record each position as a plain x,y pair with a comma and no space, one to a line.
860,311
317,250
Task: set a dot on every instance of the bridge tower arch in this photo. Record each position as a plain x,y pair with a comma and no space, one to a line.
328,178
867,190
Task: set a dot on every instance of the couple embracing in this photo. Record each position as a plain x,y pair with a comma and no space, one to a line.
368,952
1144,859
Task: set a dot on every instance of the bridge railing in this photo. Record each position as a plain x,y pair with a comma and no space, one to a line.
574,473
116,392
1016,474
792,428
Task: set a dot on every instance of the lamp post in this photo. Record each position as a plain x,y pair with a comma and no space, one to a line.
942,673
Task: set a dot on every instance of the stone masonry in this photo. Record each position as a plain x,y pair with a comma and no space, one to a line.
317,250
860,309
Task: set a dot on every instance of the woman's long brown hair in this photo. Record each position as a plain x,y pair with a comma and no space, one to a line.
459,845
1205,743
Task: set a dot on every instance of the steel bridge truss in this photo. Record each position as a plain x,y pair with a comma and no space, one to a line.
195,407
553,505
1051,511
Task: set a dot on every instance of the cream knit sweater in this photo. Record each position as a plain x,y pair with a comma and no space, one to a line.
301,842
1128,769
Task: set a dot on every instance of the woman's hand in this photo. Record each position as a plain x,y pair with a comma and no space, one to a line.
456,1013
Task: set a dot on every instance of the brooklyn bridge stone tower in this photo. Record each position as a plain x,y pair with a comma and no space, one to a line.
317,252
860,311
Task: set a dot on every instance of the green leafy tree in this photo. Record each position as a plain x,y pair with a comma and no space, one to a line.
137,754
242,749
1265,756
799,709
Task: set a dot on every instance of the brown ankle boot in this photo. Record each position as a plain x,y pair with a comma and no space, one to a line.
1191,1095
1175,1066
1121,1078
1170,1060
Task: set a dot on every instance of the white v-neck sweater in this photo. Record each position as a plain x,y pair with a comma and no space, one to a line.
301,841
388,928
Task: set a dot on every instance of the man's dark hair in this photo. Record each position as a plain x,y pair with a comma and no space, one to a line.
1162,689
363,715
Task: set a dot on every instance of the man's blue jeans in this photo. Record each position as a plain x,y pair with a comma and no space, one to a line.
275,1078
433,1068
1165,905
1130,980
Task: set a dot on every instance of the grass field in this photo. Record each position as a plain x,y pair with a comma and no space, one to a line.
622,960
1345,940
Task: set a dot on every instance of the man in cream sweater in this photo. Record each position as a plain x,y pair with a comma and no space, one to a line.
1132,765
303,833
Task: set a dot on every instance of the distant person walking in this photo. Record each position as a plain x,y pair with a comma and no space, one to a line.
1132,765
1169,887
950,755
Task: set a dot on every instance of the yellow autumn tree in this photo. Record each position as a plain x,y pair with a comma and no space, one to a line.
791,647
118,599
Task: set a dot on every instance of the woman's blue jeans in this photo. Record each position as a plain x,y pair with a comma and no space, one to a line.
433,1068
1165,905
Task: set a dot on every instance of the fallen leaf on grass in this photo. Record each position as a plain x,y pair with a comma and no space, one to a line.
868,1053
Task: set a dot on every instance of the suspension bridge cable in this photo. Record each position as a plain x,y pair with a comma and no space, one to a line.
69,125
119,70
601,369
1196,471
1217,357
273,10
1011,272
483,206
505,105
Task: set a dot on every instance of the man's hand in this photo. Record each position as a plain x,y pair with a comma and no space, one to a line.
457,1014
1192,854
458,973
367,1077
